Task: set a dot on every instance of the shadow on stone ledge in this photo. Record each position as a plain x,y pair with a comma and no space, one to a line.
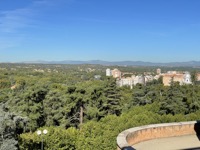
197,129
194,148
128,148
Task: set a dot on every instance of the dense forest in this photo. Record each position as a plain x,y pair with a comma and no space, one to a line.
80,111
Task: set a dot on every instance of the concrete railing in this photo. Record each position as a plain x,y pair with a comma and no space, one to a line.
127,138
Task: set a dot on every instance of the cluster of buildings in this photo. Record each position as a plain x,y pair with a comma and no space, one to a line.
181,77
129,81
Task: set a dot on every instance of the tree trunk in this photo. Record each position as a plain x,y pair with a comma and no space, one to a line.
81,115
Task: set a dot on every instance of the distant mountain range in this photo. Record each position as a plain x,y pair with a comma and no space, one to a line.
122,63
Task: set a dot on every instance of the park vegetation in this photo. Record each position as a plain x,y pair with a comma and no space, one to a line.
81,112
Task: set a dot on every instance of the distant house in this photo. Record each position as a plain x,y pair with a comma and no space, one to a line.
97,77
182,78
130,81
115,73
198,76
140,79
125,81
168,78
148,78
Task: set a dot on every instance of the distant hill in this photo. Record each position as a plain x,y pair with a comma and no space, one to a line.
122,63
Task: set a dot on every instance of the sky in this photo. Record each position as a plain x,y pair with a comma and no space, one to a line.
110,30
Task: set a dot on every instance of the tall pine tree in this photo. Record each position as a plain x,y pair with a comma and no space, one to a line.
112,97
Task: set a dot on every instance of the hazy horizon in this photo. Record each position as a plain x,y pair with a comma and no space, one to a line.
57,30
101,61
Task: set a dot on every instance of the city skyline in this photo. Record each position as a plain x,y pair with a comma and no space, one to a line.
56,30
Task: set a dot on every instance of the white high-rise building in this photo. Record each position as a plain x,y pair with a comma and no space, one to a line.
108,72
158,71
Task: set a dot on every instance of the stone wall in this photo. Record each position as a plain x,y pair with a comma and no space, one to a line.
143,133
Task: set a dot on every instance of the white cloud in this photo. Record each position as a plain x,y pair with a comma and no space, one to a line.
13,22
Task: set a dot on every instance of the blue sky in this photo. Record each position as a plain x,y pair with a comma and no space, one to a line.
111,30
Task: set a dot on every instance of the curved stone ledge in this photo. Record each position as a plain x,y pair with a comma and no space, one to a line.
135,135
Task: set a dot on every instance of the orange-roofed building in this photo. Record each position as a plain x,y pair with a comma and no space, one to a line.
116,73
182,78
198,76
168,78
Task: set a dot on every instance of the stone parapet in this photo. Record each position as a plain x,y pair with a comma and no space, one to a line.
136,135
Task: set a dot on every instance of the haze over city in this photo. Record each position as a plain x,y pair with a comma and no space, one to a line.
109,30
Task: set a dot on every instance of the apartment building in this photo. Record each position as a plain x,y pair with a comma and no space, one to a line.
116,73
182,78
